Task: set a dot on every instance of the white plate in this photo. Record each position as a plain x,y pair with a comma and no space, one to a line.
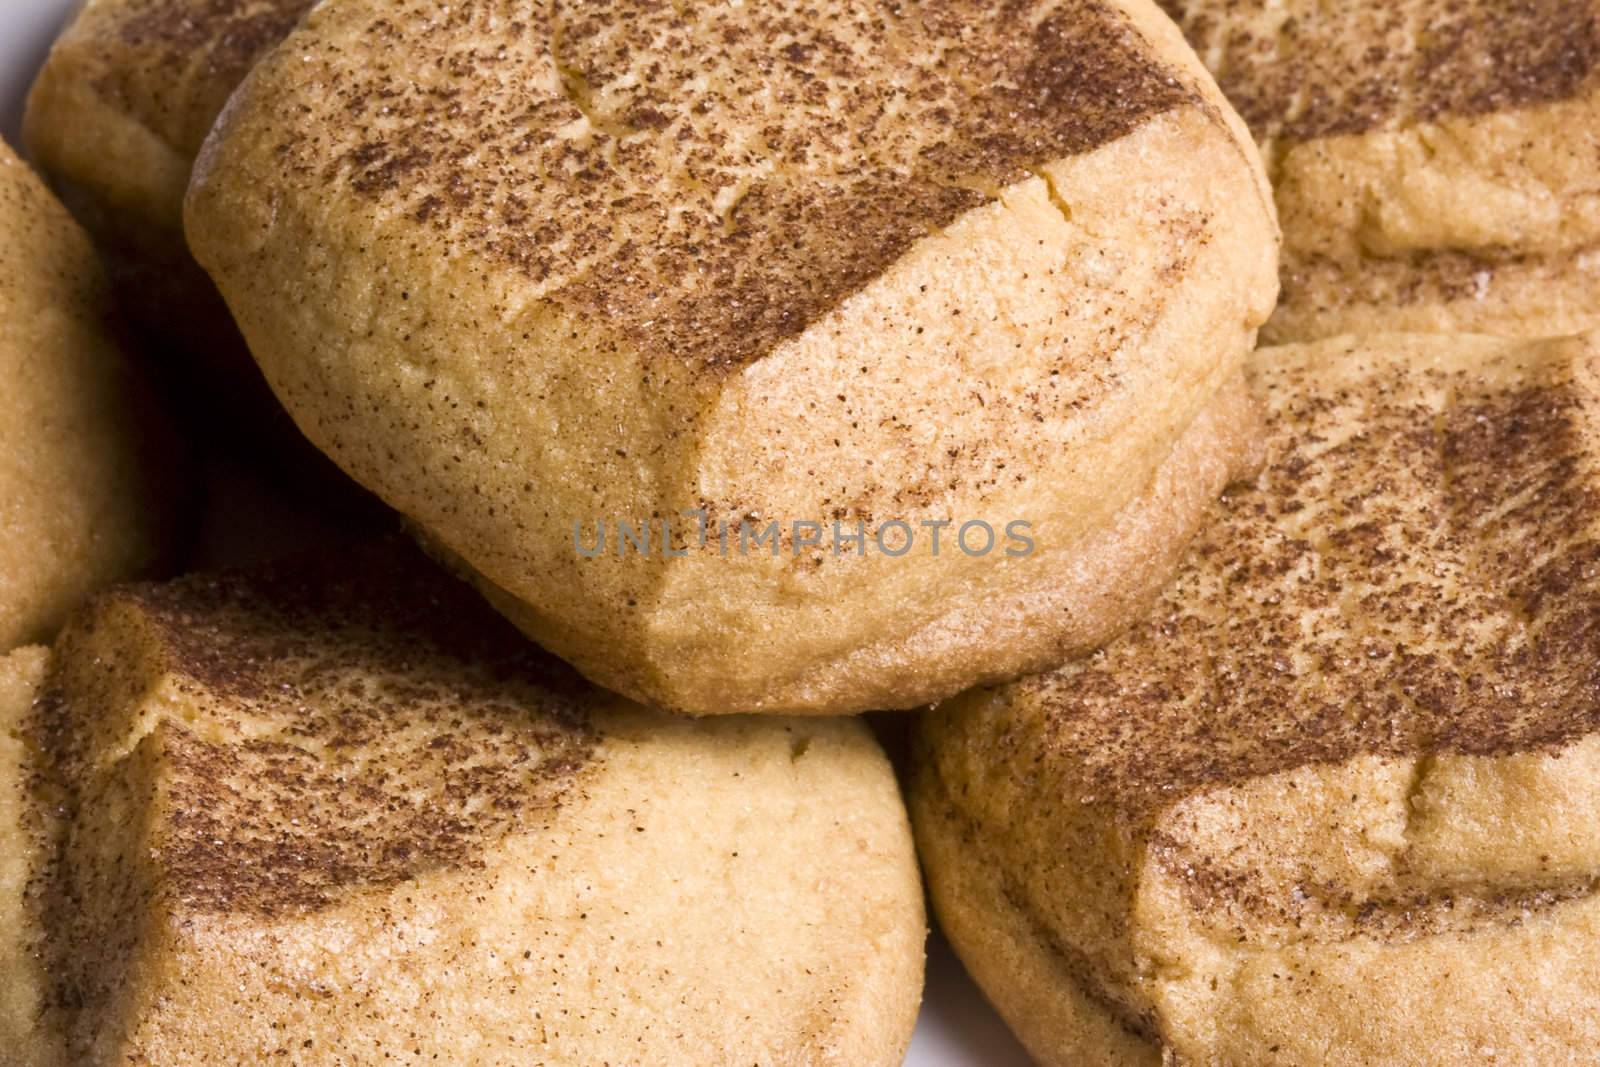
956,1028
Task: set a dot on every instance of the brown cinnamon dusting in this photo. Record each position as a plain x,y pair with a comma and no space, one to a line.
1306,70
171,64
1417,571
336,727
228,35
711,180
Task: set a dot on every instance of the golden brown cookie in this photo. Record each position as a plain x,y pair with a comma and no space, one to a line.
1432,159
1333,802
129,93
114,121
25,838
339,812
86,466
532,272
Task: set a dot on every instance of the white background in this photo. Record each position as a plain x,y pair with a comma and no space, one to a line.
956,1028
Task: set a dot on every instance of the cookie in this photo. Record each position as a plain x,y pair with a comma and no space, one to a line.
1332,802
24,841
127,96
1431,160
811,284
114,121
87,467
337,811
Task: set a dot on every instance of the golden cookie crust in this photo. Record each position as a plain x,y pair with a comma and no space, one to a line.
1431,159
1331,801
85,464
24,843
128,94
337,810
114,121
519,268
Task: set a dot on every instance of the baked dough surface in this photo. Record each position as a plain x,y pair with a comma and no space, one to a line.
24,845
519,267
114,121
337,810
127,96
1333,801
86,467
1432,160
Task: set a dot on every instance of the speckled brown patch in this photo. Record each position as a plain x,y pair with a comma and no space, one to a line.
1398,909
707,179
1416,571
332,726
1302,70
226,35
1425,279
263,744
171,64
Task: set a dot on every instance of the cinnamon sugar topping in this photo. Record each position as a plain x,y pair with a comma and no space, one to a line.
1417,570
1304,70
707,179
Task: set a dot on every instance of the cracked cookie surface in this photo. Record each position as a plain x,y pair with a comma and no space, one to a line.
336,810
521,266
1431,159
1344,767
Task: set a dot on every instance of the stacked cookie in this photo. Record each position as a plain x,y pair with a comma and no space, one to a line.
1430,161
1328,802
740,368
88,474
350,814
